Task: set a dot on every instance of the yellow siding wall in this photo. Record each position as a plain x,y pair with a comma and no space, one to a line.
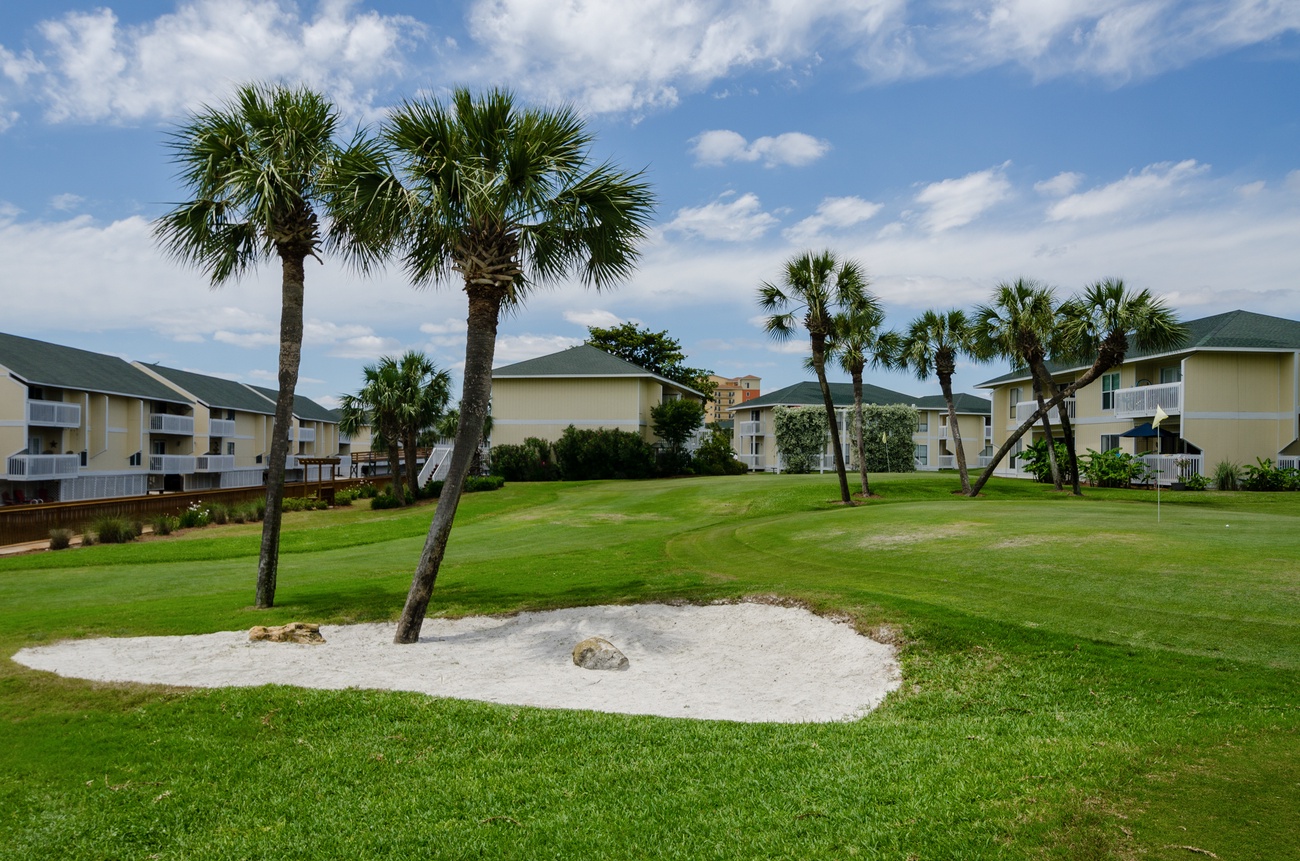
1239,406
542,408
13,406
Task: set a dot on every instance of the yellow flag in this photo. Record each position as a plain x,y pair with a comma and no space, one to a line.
1161,415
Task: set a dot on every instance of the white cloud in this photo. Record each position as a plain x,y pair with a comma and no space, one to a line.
1293,180
517,348
720,146
594,317
739,220
1251,189
93,68
66,202
1060,185
833,213
247,340
957,202
1152,185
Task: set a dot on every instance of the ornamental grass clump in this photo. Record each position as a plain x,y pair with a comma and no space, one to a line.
164,525
113,530
60,539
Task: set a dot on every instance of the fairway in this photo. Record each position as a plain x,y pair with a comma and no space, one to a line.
1079,681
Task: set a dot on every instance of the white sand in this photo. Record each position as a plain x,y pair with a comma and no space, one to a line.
742,662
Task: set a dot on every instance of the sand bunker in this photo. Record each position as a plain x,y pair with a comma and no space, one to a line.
739,662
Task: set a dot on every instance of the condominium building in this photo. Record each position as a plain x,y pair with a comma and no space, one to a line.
731,392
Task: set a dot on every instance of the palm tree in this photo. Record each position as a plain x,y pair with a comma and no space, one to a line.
812,289
932,344
1105,322
262,169
379,405
426,391
857,342
506,199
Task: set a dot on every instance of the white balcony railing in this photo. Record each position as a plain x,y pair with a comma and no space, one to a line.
214,463
1143,400
1288,462
749,429
1025,409
22,467
753,461
1168,468
344,438
943,431
947,461
291,461
171,464
53,414
166,423
302,434
221,427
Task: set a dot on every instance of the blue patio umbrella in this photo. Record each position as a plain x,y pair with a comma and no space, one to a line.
1144,430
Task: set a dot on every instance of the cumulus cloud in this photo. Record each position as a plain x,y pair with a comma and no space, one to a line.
1152,185
594,317
739,220
720,146
517,348
833,213
91,68
957,202
1060,185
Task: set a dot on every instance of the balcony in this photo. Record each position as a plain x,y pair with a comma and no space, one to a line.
214,463
302,434
753,461
32,467
345,438
1025,409
221,427
749,429
167,423
1142,401
55,414
171,464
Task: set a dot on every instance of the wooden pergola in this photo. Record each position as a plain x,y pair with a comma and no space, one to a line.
324,487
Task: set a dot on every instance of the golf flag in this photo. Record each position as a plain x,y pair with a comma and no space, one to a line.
884,437
1161,415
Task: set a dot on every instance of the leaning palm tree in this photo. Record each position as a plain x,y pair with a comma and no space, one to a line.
856,342
263,169
1019,325
932,344
813,288
379,405
1104,323
504,199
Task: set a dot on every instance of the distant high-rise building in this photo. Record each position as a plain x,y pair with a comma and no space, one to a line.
731,393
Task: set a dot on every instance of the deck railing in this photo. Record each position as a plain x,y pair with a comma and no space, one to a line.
214,463
749,428
27,467
171,464
1143,400
221,427
1170,468
1025,409
53,414
299,434
167,423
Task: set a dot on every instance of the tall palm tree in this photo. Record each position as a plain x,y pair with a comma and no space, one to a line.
379,405
262,170
506,199
1019,325
932,344
1105,322
856,342
813,288
426,390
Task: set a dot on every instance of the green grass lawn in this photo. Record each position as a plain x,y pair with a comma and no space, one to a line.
1081,682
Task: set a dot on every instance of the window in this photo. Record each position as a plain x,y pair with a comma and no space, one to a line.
922,455
158,447
1109,383
134,460
1109,441
230,448
1171,375
230,415
923,423
1013,398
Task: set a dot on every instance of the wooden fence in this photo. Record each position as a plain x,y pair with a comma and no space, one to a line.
23,523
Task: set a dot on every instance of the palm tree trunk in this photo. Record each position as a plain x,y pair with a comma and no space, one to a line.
945,386
1047,434
291,302
411,444
1067,431
860,432
480,346
395,467
819,364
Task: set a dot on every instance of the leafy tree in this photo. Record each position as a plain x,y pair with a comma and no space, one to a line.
675,421
380,405
657,352
262,170
932,344
715,455
800,438
812,289
889,429
505,199
424,393
856,342
1103,322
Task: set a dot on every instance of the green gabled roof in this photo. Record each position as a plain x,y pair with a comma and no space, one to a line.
1234,330
810,394
583,360
961,402
303,406
40,363
216,392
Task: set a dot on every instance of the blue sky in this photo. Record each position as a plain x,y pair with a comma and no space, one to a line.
946,146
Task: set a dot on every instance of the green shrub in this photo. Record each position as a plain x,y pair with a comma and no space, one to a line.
1112,468
1196,481
481,483
1265,476
194,515
1227,475
60,539
346,496
218,513
1036,460
163,525
366,490
386,499
304,503
532,460
715,456
603,453
800,437
113,530
432,489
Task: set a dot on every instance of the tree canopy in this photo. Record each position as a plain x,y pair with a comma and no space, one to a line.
657,352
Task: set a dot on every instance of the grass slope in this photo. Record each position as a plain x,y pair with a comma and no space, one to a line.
1081,682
